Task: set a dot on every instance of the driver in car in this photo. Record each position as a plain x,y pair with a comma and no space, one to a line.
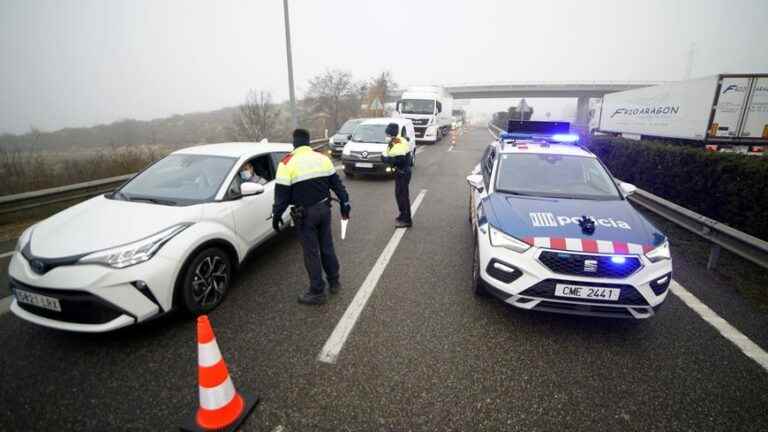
247,174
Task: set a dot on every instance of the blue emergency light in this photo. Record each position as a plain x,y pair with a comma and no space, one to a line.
618,259
539,131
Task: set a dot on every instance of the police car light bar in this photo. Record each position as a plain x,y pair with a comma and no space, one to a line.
538,131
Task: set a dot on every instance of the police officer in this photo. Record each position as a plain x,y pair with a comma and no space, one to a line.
398,153
304,179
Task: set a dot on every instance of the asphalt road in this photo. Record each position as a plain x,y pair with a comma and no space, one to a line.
425,354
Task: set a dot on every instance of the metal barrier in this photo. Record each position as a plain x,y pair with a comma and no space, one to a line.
721,235
36,199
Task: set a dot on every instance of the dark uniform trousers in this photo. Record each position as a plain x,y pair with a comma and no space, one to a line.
316,240
402,196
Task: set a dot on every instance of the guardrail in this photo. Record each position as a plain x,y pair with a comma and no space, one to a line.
36,199
719,234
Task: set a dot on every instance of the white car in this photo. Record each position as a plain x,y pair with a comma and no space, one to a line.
362,153
170,237
554,231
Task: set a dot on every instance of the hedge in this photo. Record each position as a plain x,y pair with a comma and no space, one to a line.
727,187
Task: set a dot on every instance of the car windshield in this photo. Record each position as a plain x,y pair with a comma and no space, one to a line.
417,106
349,126
178,179
555,176
370,133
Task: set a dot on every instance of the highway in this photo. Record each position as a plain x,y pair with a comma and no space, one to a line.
423,352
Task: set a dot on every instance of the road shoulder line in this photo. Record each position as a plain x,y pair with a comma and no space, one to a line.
749,348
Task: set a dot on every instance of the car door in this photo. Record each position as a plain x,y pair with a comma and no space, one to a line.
253,214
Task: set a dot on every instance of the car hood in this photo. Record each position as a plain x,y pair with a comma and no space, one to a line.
101,223
340,138
530,217
363,146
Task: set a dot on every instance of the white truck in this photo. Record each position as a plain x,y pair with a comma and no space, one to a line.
719,109
430,109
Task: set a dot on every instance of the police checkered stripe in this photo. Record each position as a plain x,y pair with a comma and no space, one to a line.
217,397
588,245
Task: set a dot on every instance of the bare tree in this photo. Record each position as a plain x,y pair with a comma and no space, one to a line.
257,118
334,94
382,85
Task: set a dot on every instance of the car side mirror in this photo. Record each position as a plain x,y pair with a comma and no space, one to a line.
349,137
250,189
627,188
475,181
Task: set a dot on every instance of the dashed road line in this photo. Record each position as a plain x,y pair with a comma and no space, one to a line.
450,148
335,342
749,348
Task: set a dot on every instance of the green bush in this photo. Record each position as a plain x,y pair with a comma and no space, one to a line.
730,188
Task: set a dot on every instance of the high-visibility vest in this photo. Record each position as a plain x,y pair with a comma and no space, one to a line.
398,147
302,164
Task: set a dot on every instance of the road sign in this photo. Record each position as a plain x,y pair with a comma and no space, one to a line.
376,105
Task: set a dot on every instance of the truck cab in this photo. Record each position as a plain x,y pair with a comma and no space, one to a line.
430,109
362,153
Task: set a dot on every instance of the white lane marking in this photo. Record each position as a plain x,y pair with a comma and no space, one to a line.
420,149
335,342
495,136
5,304
7,254
450,148
749,348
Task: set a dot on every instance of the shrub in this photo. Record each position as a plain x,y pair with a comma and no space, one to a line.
730,188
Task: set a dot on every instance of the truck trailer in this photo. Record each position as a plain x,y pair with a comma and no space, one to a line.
718,110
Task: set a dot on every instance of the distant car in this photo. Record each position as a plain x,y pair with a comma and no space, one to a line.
171,237
362,154
553,231
340,138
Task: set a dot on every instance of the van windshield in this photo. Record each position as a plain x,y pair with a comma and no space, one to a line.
370,133
417,106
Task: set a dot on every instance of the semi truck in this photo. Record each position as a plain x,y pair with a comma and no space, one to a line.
430,109
726,109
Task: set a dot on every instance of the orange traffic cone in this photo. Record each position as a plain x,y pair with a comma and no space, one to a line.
222,408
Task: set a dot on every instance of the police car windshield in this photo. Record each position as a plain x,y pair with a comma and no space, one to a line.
349,127
417,106
555,176
370,133
178,179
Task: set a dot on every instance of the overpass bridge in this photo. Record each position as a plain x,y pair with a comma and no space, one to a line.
581,90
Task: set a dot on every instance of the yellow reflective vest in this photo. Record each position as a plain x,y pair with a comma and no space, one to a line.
303,164
398,147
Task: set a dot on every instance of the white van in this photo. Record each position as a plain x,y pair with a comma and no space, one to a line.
362,153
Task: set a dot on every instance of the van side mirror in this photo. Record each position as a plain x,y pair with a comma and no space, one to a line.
249,189
349,137
475,181
627,188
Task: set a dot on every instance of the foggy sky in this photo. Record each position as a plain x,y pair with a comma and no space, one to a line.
79,63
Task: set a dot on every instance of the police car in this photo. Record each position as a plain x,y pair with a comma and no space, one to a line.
554,231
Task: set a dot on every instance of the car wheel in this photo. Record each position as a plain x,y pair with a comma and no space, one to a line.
206,281
478,286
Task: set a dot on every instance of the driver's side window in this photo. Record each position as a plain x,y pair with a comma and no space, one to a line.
487,165
261,169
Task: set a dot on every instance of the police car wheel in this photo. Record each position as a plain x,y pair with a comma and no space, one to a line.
478,286
205,281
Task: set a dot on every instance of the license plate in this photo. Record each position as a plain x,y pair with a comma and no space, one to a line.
38,300
364,165
587,292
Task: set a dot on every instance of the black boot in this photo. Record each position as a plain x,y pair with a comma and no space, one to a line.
312,298
334,286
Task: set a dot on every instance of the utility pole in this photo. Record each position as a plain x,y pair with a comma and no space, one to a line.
291,91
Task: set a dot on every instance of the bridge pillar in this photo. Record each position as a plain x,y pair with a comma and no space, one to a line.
582,114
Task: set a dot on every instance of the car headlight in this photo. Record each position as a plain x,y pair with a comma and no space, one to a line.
136,252
501,239
660,253
24,238
346,151
331,141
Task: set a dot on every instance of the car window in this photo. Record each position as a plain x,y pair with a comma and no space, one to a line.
180,179
487,165
557,176
264,170
370,133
